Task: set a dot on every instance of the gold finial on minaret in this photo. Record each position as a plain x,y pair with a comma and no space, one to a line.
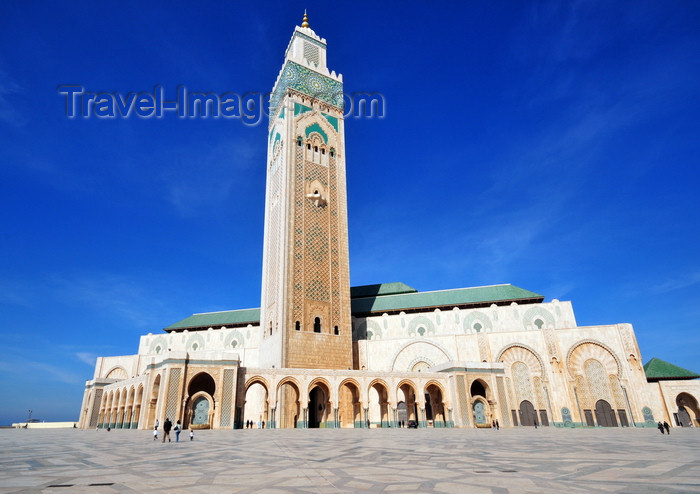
305,21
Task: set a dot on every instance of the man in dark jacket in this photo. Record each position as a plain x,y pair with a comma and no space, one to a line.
167,425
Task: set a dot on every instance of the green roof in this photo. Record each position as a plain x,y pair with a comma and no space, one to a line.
380,290
385,297
657,370
241,317
476,296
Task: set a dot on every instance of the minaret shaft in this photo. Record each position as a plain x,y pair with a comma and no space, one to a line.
305,309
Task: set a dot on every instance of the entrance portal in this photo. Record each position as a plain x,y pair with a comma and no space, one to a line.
688,411
604,414
528,417
317,407
480,413
200,411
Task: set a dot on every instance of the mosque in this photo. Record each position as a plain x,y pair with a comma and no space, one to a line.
319,353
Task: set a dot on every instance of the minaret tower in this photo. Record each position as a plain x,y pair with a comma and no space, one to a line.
305,308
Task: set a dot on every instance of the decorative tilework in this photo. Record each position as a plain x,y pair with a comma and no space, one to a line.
476,322
503,401
173,387
538,318
235,340
300,109
617,392
309,82
311,52
597,379
462,399
420,326
332,120
227,398
315,127
522,382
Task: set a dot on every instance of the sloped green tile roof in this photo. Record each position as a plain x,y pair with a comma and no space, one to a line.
657,369
214,319
460,296
380,290
386,297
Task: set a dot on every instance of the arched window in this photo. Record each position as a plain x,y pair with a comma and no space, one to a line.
335,330
299,141
317,325
297,326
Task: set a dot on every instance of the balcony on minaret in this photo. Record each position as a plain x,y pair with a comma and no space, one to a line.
317,198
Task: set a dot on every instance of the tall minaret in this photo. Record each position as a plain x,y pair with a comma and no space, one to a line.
305,309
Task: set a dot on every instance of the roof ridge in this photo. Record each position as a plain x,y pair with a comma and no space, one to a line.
222,311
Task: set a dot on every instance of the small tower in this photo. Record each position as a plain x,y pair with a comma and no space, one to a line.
305,307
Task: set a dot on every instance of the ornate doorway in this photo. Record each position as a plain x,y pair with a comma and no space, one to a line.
528,417
604,414
480,413
200,411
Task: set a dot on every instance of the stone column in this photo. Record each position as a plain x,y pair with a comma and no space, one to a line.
336,423
365,423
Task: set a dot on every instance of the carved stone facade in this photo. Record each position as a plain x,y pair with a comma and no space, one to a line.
315,355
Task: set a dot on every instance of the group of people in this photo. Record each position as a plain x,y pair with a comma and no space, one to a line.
249,424
495,425
663,427
167,427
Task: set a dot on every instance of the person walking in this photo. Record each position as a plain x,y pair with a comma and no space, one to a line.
167,425
155,434
191,435
660,426
178,430
668,429
498,427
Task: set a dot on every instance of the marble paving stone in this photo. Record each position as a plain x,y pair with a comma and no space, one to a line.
520,460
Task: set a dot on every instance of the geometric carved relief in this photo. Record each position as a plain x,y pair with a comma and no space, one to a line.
227,398
597,380
195,343
413,353
476,322
234,340
462,399
503,400
484,348
520,353
538,318
420,326
173,387
581,352
522,382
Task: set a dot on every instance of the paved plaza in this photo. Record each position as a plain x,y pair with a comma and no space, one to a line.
544,460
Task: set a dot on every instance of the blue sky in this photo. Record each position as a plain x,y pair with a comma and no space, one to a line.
551,145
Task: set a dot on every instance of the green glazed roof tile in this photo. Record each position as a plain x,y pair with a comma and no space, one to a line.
459,296
657,369
384,297
224,318
380,290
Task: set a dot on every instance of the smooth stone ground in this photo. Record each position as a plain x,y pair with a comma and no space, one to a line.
544,460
